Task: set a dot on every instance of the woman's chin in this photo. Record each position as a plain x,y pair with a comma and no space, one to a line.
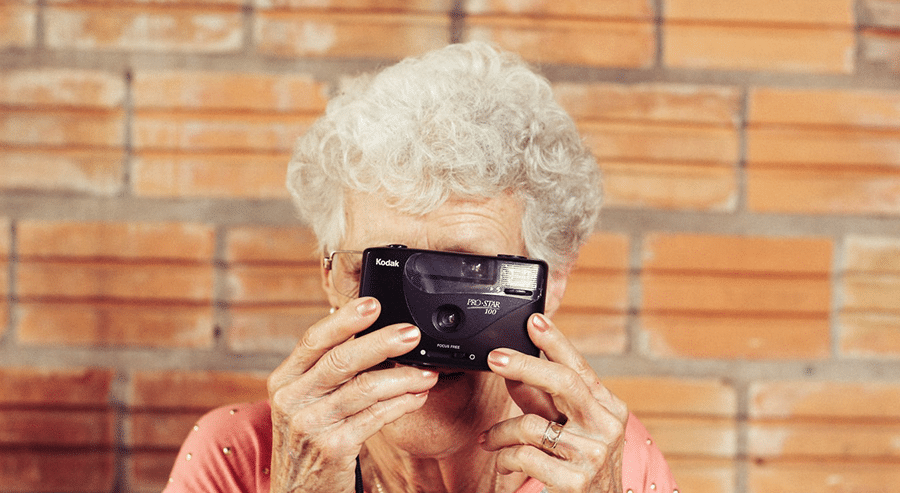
459,407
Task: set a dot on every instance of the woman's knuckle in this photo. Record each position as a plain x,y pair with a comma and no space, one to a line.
532,424
571,381
365,383
338,361
523,454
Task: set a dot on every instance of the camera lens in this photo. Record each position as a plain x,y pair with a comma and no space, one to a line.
447,318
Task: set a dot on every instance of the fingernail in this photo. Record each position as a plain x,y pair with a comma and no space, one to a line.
429,374
540,323
482,437
409,333
498,357
367,307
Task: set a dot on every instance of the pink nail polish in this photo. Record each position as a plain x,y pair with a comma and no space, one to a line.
367,308
540,323
410,333
498,357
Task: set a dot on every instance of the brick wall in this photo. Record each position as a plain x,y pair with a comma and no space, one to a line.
743,293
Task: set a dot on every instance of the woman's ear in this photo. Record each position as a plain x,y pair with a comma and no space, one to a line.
333,297
556,288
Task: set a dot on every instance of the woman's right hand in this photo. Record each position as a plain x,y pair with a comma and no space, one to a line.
327,399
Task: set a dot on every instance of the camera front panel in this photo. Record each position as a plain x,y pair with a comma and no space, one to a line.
465,305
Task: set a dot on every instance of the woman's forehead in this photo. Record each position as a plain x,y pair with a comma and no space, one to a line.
487,226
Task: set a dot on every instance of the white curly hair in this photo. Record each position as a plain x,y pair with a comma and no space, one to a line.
466,120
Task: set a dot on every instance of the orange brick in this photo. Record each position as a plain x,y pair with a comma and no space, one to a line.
593,333
88,387
686,417
268,245
825,440
742,47
660,103
664,165
812,191
704,476
38,428
850,164
813,12
197,90
660,146
871,293
54,88
205,134
763,296
719,296
753,254
881,48
624,43
876,255
148,429
251,176
218,132
869,322
148,470
675,396
869,334
18,25
270,328
4,274
694,437
743,337
824,399
831,150
798,36
78,115
132,241
4,238
603,291
594,308
638,9
604,251
435,6
94,172
61,128
87,25
822,476
276,284
112,324
305,33
661,143
160,282
80,471
195,390
798,107
675,185
881,13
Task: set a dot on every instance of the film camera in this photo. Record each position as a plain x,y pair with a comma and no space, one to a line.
464,305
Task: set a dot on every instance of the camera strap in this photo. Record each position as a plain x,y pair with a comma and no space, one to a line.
359,481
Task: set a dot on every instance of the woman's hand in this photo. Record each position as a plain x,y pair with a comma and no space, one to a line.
588,454
325,403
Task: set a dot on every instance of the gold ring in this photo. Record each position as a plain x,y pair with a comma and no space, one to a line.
551,435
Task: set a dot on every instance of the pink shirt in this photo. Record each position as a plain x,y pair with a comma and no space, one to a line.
230,449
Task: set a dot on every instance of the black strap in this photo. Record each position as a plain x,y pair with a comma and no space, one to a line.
359,482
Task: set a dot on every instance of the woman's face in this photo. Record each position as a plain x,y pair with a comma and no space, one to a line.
462,404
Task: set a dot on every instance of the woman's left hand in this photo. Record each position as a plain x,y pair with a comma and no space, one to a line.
588,454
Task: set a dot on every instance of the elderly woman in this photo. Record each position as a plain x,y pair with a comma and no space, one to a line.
465,150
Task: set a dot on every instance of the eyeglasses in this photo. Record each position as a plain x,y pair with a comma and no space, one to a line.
344,267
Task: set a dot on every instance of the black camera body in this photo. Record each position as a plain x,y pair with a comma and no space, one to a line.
465,305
